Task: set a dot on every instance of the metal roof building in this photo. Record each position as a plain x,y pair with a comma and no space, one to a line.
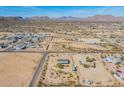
63,61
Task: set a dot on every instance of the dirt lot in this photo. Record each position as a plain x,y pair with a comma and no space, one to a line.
98,75
56,76
16,69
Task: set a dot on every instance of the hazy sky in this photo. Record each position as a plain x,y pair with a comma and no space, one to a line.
58,11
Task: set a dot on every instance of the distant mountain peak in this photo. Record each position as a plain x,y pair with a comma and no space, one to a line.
103,18
39,18
68,18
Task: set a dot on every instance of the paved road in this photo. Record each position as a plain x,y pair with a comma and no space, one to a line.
94,51
37,73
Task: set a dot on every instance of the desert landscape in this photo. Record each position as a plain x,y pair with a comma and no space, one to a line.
66,51
16,69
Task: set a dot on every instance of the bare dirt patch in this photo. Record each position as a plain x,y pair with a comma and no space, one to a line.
16,69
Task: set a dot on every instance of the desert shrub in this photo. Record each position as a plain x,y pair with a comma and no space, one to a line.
90,59
71,83
86,66
62,72
102,56
52,73
78,85
60,66
112,72
67,65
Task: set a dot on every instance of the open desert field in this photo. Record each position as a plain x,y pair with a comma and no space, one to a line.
16,69
82,44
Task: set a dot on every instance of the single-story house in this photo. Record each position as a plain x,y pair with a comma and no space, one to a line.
20,46
3,45
111,59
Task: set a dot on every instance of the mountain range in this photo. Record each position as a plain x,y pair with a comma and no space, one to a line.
96,18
